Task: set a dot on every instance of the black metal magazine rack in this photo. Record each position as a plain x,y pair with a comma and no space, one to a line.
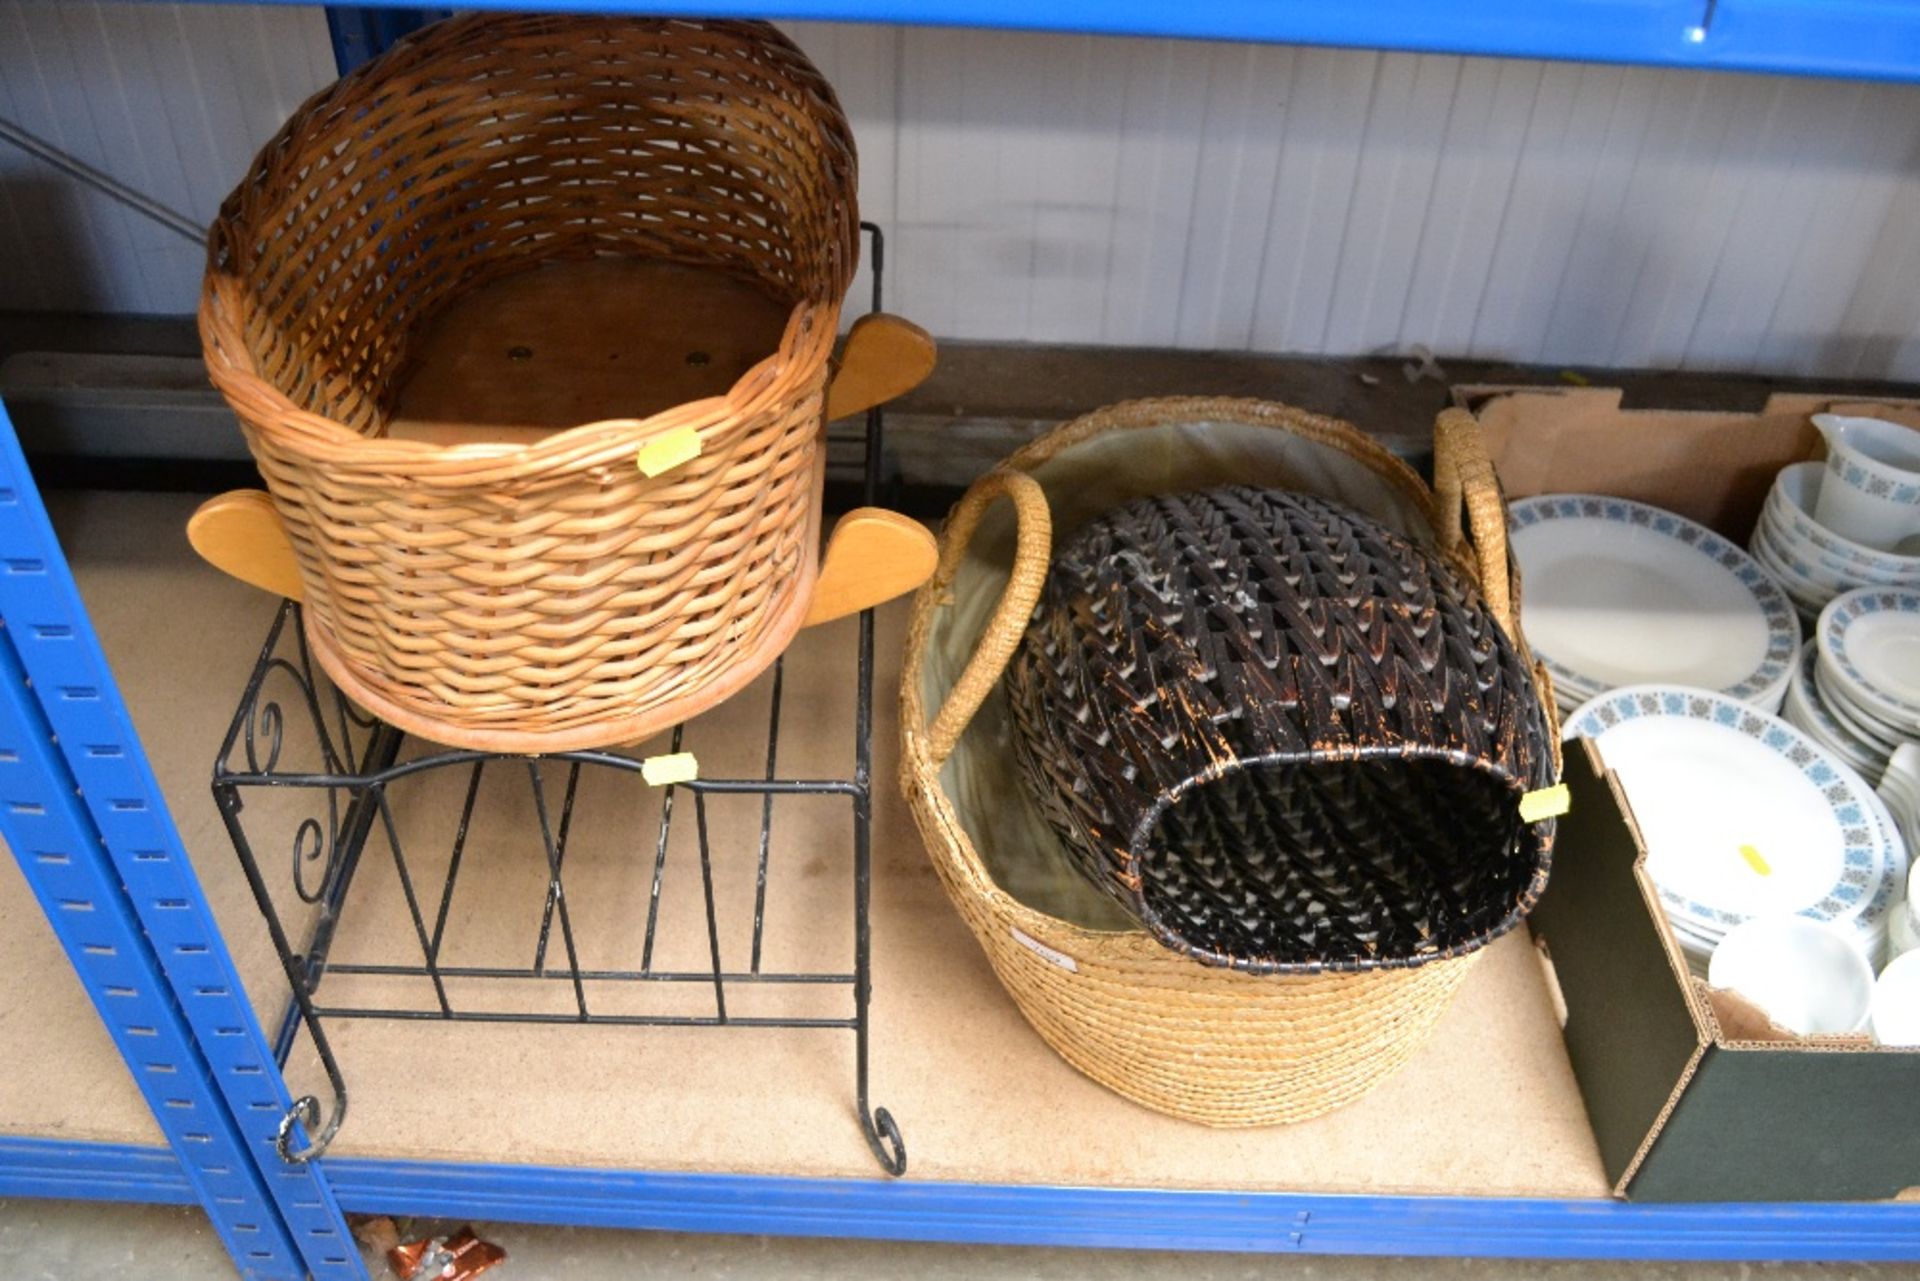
300,758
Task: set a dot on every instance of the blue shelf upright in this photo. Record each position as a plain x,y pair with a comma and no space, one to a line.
83,814
360,33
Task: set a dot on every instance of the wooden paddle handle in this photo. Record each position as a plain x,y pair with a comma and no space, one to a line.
873,556
883,357
240,533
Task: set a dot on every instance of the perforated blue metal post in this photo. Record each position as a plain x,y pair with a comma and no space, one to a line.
85,817
60,851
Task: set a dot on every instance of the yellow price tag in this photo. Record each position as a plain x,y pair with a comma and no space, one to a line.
680,767
1547,802
668,450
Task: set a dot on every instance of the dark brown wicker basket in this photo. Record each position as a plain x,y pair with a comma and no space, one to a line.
1282,735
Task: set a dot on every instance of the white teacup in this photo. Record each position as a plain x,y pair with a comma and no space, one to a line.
1896,1002
1804,975
1871,490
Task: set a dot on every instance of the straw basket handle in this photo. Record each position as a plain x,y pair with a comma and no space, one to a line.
1463,476
1033,547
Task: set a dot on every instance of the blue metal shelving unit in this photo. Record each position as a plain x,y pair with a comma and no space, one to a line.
85,818
1862,39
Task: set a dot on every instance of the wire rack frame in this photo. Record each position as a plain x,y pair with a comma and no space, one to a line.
357,764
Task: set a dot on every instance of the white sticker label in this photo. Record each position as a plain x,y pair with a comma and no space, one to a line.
1045,953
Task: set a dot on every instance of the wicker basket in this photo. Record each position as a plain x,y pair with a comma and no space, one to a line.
554,592
1281,735
1209,1044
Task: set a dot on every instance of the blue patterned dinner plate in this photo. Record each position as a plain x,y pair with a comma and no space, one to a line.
1870,640
1742,814
1621,593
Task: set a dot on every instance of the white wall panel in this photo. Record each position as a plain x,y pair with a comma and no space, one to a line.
1083,189
170,99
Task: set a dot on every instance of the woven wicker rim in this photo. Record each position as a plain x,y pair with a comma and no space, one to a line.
1536,884
805,344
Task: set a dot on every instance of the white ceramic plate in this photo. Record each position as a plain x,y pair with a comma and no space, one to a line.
1870,644
1620,593
1885,886
1859,721
1868,767
1804,708
1743,815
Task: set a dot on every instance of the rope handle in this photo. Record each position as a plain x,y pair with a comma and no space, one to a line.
1032,550
1464,477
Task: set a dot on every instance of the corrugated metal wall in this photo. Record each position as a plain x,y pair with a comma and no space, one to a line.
1081,189
172,100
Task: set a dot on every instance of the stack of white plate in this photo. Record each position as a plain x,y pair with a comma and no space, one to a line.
1900,790
1867,672
1745,816
1620,593
1806,708
1812,563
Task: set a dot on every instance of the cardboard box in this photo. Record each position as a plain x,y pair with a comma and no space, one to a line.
1692,1096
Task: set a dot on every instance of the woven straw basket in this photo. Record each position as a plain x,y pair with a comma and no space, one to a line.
1214,1045
548,594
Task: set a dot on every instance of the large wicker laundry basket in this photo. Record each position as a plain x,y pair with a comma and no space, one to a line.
544,589
1211,1044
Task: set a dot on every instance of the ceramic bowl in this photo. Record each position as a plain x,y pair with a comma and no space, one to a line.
1791,502
1896,1002
1871,490
1902,936
1807,563
1806,976
1840,572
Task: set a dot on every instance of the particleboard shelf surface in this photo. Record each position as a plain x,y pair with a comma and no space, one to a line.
1488,1106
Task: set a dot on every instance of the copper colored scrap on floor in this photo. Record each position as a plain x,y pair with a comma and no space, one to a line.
455,1258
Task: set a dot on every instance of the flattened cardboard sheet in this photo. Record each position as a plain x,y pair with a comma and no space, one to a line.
1788,1123
1630,1036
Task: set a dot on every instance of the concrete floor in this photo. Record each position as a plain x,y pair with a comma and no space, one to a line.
78,1241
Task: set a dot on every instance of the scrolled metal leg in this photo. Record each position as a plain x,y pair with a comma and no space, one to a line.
305,1113
883,1137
